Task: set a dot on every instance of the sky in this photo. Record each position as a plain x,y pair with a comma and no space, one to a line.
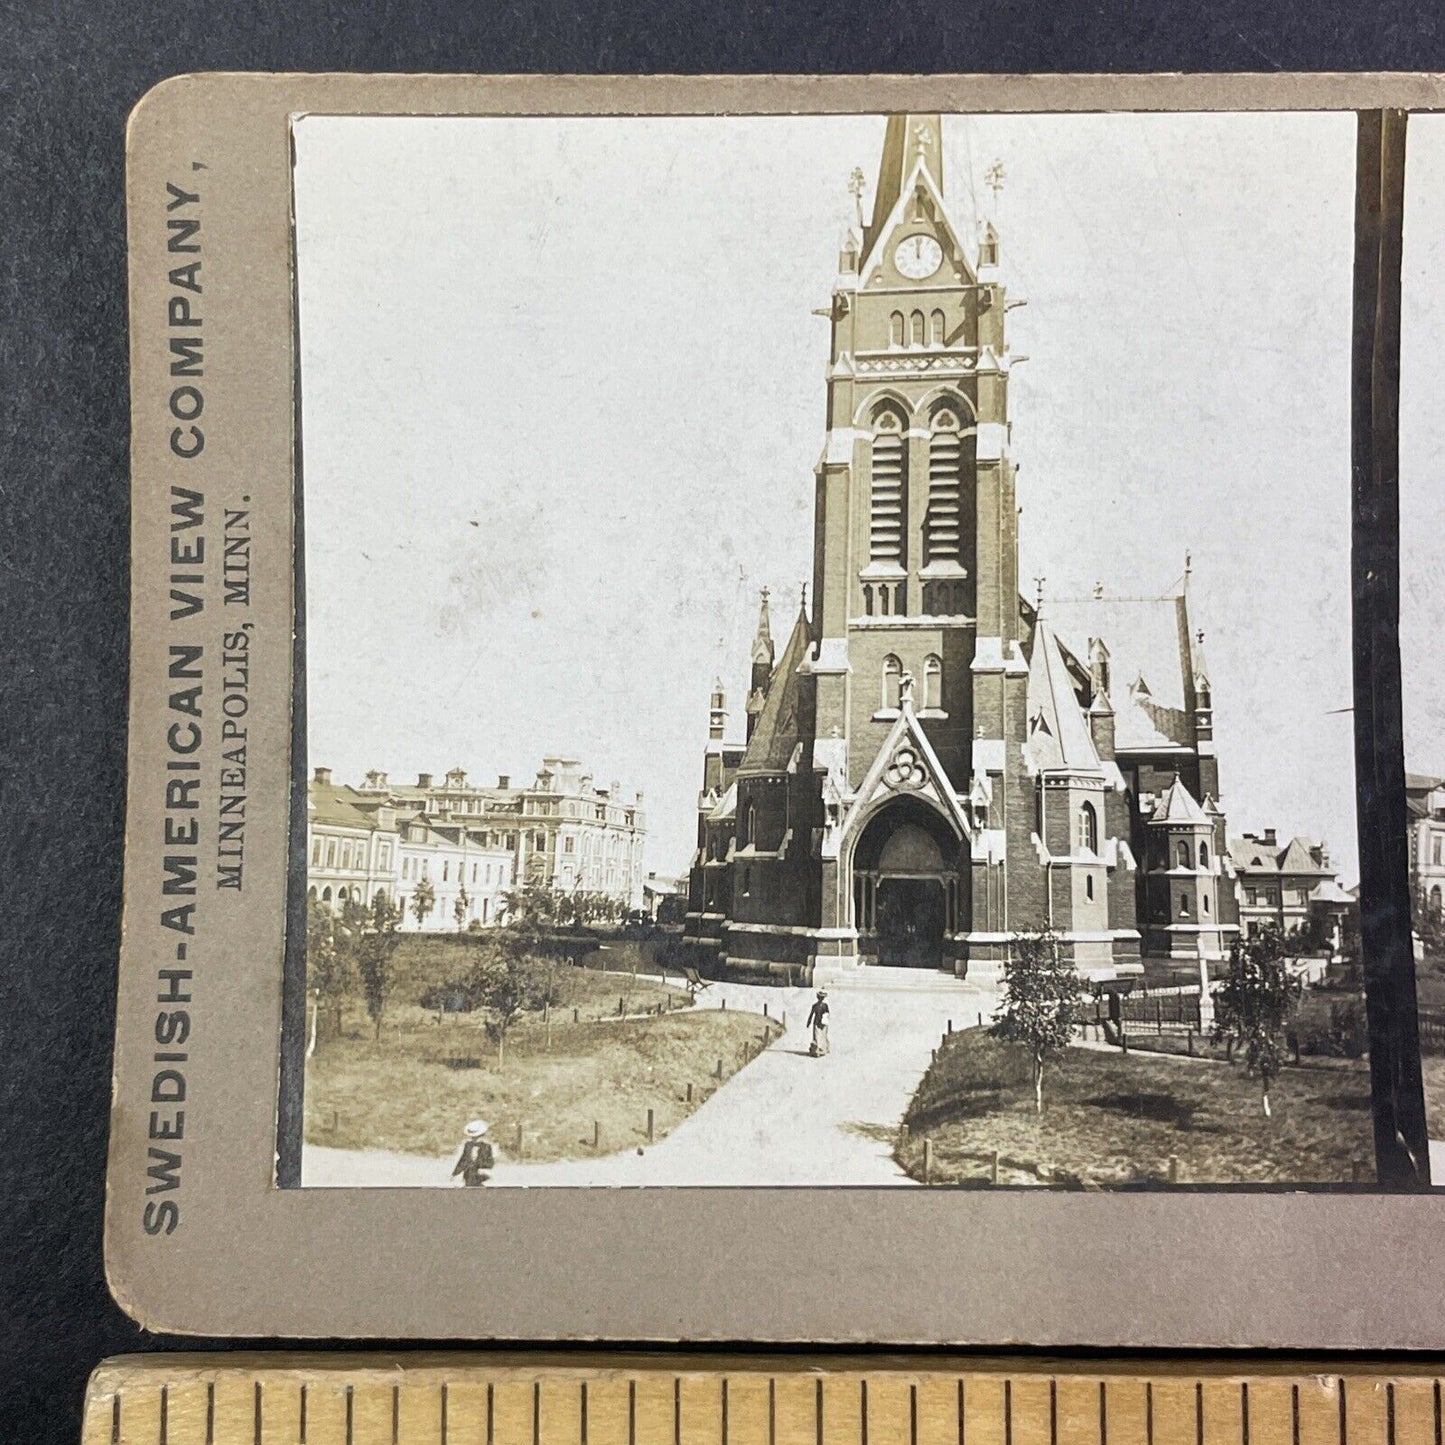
563,393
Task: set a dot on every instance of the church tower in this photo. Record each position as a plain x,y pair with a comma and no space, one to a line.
916,565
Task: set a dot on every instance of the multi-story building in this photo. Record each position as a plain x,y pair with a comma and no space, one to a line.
473,844
1425,800
935,764
1282,886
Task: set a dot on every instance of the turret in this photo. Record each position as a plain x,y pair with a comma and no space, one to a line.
718,713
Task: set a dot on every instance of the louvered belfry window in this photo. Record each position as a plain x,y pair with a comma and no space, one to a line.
890,472
945,471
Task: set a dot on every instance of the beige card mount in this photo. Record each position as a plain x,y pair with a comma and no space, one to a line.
702,765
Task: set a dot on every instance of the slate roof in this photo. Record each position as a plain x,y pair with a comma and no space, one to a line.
338,805
1179,806
1058,734
778,731
1148,642
1295,856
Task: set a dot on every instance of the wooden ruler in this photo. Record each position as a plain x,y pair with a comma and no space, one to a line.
476,1399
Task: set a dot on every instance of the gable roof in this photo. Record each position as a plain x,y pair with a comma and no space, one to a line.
1148,642
779,729
1058,735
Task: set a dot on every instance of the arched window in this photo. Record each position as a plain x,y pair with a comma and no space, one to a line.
1089,887
311,894
941,529
935,328
915,328
1204,855
933,682
1435,900
1181,854
331,853
1088,829
1184,905
892,676
750,825
890,475
895,329
326,895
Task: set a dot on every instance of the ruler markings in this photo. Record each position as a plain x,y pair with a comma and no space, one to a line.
294,1405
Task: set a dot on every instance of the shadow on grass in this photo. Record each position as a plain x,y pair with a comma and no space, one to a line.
1157,1108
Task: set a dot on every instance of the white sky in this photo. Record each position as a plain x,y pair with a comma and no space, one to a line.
1422,445
563,395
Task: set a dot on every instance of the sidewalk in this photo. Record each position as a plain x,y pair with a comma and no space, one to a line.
785,1119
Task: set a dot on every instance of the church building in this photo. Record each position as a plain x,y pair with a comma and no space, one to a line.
932,763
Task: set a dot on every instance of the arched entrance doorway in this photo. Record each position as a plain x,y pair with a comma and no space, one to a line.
906,886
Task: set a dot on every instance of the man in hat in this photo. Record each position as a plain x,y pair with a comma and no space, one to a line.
818,1022
477,1158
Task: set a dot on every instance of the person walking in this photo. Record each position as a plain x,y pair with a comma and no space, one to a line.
818,1022
477,1157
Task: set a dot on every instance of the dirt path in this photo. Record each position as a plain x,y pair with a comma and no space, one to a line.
786,1119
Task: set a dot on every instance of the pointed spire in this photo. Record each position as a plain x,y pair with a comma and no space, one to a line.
905,140
763,639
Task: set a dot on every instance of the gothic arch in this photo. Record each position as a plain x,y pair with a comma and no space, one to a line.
946,395
871,407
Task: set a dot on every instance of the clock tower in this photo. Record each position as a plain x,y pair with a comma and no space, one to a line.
916,563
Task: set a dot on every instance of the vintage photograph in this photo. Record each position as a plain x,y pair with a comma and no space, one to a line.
827,652
1422,597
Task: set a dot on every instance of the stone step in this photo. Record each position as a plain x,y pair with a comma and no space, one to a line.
872,976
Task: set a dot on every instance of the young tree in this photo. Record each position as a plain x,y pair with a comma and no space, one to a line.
507,981
459,908
330,968
423,901
375,946
1041,990
1253,1003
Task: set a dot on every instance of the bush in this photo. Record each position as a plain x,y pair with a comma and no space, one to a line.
1341,1034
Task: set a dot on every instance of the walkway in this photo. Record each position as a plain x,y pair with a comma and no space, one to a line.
786,1119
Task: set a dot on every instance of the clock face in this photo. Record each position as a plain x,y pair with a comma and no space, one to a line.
918,257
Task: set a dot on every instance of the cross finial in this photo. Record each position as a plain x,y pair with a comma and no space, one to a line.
856,182
766,592
1039,593
803,603
993,178
922,135
1188,563
1199,637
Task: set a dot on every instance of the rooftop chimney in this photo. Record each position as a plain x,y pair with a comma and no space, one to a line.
1271,837
504,780
321,775
423,780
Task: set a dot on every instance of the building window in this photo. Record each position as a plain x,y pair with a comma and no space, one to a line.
1204,855
474,872
892,677
331,853
1435,900
1181,854
933,683
935,328
446,870
915,328
316,851
941,527
1088,829
1184,905
384,861
568,844
1089,887
1206,904
1436,844
890,475
895,329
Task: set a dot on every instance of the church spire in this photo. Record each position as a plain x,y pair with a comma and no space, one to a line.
763,654
906,139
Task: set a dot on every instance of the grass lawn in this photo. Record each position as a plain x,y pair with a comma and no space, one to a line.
414,1089
1432,1066
1111,1120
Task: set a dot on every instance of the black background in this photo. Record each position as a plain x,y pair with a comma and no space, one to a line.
69,74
